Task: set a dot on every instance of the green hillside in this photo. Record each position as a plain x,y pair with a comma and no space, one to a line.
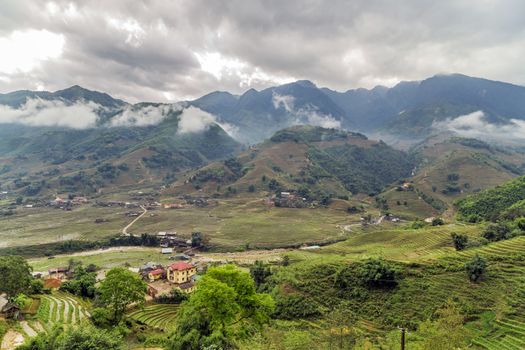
40,161
312,161
491,204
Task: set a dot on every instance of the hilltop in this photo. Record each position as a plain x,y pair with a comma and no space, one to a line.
313,162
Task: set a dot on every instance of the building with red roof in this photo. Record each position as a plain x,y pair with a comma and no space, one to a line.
181,273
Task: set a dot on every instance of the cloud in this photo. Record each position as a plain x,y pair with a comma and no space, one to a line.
475,125
158,50
195,120
308,114
38,112
144,115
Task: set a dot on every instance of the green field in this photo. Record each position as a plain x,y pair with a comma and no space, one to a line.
233,224
61,308
159,316
30,226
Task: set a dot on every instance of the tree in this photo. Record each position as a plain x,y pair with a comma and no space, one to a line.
378,273
251,188
496,232
120,289
196,239
224,307
15,274
260,272
437,222
476,268
460,241
82,283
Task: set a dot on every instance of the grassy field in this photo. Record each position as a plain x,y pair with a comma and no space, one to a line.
159,316
31,226
235,223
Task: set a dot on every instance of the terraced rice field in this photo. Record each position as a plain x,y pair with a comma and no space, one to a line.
61,308
510,335
161,316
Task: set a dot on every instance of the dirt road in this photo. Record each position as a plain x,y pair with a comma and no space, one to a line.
125,229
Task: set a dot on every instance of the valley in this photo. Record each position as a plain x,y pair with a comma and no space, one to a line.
343,238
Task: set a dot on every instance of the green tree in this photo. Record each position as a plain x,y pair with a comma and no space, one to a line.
15,274
437,222
224,307
460,240
476,268
120,289
378,273
260,272
82,338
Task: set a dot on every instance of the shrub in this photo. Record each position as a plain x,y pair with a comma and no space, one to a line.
460,241
378,273
476,268
437,222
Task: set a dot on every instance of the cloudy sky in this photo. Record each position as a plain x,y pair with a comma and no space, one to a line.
175,50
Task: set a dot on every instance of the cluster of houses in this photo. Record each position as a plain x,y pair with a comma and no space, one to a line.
170,239
181,275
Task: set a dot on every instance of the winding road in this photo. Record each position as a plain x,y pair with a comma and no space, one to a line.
125,229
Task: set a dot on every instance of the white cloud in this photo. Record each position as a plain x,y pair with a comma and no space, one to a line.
194,120
143,115
308,114
22,51
475,125
37,112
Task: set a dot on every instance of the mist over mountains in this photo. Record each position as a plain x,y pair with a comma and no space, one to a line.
467,106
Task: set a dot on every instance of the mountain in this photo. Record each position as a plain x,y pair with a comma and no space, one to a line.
409,109
448,169
37,161
258,114
69,96
313,161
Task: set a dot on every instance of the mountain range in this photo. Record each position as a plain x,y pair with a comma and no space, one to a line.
82,141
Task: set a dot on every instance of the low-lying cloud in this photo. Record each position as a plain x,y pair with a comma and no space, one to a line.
475,125
308,114
38,112
195,120
145,115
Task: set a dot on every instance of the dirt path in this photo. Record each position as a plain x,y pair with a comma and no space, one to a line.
125,229
27,329
12,340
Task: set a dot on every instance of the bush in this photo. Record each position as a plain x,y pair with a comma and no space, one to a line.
378,273
476,268
416,225
460,241
437,222
295,306
496,232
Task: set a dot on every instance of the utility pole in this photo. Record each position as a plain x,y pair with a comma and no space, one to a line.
403,338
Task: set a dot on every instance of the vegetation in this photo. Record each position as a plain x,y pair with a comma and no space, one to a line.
491,204
225,307
120,289
476,268
78,338
16,276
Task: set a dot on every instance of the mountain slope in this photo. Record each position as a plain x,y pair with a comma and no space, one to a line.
312,161
449,169
39,161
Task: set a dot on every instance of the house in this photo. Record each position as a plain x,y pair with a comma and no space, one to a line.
173,206
79,200
152,291
166,250
10,311
155,274
180,256
149,266
187,287
59,273
161,234
181,273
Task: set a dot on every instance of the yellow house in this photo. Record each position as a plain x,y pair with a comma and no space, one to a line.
155,274
181,273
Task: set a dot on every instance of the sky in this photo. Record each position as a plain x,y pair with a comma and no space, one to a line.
178,50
